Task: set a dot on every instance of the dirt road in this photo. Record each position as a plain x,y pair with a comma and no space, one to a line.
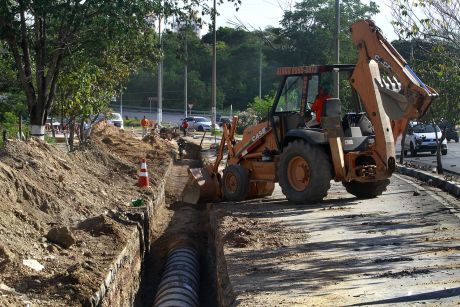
402,248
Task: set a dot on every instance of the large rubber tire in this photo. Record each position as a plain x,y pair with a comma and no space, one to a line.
413,151
235,183
456,139
366,190
200,128
311,172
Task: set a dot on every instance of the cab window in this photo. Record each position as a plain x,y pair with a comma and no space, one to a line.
313,83
291,95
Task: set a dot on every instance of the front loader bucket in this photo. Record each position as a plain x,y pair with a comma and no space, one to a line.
203,186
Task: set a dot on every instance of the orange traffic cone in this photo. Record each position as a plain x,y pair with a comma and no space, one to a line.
143,175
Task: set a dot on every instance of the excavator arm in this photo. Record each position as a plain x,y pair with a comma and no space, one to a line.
389,90
404,96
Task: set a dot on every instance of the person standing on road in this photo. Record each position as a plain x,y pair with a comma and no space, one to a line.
145,125
184,126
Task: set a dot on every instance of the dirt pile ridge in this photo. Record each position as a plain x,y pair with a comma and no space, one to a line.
43,188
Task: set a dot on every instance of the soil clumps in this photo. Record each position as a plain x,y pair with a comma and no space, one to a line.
58,212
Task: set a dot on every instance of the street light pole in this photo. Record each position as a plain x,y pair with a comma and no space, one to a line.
186,73
214,72
150,107
121,102
160,76
260,71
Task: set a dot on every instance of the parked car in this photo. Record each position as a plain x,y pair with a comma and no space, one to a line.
198,123
223,120
422,138
115,119
451,132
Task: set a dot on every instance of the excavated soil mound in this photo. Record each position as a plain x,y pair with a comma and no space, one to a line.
61,213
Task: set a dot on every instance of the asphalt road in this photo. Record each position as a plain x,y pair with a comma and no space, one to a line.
399,249
451,161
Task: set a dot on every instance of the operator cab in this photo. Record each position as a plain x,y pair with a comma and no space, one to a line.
292,117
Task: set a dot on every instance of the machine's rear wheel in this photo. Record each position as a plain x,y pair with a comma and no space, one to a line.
235,183
365,190
304,172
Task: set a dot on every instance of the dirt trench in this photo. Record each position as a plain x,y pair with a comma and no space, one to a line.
187,225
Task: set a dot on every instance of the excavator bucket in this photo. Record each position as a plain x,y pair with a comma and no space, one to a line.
394,102
203,186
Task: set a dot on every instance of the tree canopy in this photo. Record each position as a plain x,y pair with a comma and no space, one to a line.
304,36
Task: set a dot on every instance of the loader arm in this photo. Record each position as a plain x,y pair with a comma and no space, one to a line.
390,91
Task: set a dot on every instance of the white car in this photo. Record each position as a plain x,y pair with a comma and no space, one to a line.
422,138
115,119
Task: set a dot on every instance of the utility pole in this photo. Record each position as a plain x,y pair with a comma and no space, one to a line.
150,108
186,72
260,70
214,72
121,102
160,76
337,49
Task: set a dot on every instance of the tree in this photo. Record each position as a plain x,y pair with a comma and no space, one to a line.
437,25
308,31
41,34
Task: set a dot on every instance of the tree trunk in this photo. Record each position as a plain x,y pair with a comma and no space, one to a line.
71,133
81,127
439,168
53,131
403,145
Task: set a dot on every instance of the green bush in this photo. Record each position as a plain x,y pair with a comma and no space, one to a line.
10,122
261,106
132,122
246,119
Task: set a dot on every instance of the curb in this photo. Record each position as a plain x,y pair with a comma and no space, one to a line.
432,179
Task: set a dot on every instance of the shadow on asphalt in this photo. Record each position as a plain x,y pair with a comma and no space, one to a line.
434,295
332,261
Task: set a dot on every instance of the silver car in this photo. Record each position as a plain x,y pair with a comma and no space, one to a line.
198,123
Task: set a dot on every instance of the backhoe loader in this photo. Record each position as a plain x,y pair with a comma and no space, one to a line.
356,148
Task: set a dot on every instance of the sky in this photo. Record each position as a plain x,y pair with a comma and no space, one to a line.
258,14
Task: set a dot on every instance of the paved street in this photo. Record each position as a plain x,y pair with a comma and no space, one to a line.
451,161
395,250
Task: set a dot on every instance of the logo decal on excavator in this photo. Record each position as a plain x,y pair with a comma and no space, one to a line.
253,143
382,62
259,134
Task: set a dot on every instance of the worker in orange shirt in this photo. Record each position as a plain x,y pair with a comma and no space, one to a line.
318,105
145,126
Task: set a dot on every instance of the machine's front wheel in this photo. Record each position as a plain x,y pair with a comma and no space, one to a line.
304,172
365,190
235,183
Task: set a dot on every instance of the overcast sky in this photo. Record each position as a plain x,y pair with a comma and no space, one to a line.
262,13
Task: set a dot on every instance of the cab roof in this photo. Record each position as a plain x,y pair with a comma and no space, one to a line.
312,69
